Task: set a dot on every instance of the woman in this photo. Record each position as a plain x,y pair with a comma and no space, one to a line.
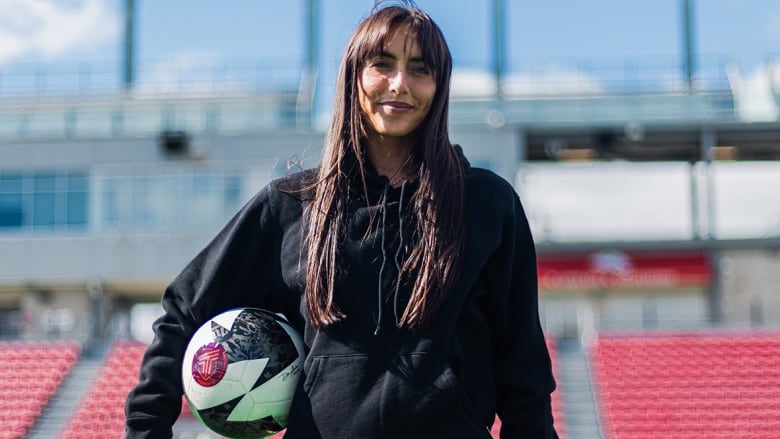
410,274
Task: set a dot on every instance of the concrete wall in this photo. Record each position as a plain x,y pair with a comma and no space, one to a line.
750,286
81,154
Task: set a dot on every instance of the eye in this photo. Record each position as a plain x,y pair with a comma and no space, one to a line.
421,69
379,63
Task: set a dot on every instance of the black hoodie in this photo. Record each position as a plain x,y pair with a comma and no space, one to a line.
483,354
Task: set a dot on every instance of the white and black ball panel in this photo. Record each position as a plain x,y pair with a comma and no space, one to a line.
240,371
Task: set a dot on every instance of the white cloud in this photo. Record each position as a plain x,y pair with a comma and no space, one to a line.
48,29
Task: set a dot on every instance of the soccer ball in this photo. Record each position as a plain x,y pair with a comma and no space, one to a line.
240,371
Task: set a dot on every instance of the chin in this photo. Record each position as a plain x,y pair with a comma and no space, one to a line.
391,131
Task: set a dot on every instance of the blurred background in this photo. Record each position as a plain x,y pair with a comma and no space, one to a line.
642,137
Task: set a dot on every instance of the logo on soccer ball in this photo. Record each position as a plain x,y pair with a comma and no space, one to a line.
209,364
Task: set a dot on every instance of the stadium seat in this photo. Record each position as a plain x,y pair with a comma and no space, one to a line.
100,414
701,384
32,372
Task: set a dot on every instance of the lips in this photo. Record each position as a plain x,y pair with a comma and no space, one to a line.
396,106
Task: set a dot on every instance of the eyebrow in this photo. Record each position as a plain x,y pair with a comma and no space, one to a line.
386,54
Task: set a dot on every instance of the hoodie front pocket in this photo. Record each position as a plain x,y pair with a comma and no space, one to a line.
422,390
405,395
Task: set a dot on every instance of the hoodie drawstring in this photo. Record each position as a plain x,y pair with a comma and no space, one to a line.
383,207
398,253
383,229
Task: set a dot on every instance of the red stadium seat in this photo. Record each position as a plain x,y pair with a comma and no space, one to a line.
714,385
101,413
32,372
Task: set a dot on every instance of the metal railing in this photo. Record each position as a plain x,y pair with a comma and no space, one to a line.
87,100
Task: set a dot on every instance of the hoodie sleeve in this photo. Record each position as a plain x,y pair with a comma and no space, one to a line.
237,268
524,379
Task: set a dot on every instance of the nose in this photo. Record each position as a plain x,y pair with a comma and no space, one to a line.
397,81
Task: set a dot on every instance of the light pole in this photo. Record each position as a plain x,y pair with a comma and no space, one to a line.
689,56
128,70
498,46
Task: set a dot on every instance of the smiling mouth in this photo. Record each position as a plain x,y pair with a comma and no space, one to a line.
396,105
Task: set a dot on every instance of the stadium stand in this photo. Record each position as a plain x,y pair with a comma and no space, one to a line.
100,414
700,384
32,372
557,399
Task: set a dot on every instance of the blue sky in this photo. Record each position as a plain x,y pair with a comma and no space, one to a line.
204,34
744,30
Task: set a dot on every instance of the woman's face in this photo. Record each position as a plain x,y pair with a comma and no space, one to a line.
396,88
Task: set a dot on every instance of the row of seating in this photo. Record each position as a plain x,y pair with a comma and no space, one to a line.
32,373
100,414
708,384
646,387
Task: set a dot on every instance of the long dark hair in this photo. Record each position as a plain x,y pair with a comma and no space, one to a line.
437,204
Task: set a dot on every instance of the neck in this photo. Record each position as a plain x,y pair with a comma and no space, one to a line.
391,158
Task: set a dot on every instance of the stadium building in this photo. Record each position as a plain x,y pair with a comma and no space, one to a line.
653,202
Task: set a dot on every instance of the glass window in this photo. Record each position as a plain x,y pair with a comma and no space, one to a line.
77,209
44,182
203,183
165,199
11,183
44,209
44,200
11,201
77,182
77,200
140,212
11,212
110,203
232,191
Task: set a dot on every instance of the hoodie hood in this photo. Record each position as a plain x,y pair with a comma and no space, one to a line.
375,183
393,207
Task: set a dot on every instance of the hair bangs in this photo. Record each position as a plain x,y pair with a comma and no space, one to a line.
375,31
